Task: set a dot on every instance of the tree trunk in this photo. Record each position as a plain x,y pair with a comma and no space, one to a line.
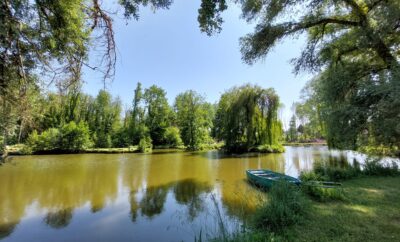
4,127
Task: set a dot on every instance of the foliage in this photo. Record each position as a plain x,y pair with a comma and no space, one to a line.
328,171
318,193
246,117
158,113
145,144
47,141
380,150
74,137
309,111
376,168
292,132
104,119
336,172
172,137
120,138
70,137
278,148
351,45
136,121
194,119
286,207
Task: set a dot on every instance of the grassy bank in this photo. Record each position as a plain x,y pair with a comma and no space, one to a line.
369,212
20,149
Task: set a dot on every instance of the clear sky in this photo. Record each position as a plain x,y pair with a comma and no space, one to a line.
167,49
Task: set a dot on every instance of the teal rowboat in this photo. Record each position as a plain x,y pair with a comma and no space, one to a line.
267,178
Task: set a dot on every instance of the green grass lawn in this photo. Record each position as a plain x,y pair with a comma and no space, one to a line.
371,212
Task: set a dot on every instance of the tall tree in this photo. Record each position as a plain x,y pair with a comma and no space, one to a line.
106,117
192,119
292,132
158,113
136,124
247,116
352,44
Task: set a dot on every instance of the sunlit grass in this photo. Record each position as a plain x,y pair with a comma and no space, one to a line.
370,212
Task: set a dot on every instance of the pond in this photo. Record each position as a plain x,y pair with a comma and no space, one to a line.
163,196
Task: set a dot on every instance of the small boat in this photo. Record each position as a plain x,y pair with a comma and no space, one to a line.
267,178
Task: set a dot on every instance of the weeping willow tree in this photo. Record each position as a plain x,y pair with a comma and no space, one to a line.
247,117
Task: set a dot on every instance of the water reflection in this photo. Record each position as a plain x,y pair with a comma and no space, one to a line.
59,219
137,197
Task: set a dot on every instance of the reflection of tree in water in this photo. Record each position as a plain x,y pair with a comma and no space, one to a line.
96,208
153,200
339,161
59,219
134,206
6,229
189,192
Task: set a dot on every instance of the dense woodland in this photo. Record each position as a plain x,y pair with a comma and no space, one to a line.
71,121
352,49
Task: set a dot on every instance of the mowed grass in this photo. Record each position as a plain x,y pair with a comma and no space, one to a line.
371,212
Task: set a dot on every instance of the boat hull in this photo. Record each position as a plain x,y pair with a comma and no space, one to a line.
267,178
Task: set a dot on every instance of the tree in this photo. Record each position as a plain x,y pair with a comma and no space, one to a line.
106,119
292,129
247,117
158,114
352,45
310,111
136,122
192,119
74,137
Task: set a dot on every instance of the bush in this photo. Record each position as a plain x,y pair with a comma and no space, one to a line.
324,172
310,176
336,173
376,168
145,144
380,150
75,137
322,194
286,206
70,137
270,148
103,140
48,140
172,137
120,139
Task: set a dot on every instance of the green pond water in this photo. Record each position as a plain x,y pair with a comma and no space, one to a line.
164,196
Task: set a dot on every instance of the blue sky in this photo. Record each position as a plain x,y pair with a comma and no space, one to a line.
167,49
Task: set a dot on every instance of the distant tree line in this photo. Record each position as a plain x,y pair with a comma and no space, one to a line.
71,121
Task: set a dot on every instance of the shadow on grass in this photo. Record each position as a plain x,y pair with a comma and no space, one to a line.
371,214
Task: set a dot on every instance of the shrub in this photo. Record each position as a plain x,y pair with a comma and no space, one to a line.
336,173
310,176
75,137
145,144
120,139
286,206
47,141
376,168
172,137
70,137
270,148
322,194
380,150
